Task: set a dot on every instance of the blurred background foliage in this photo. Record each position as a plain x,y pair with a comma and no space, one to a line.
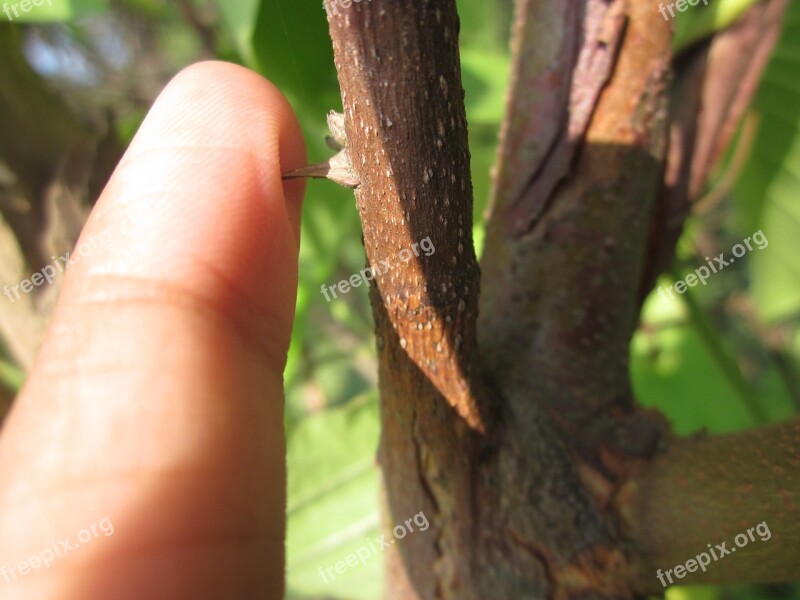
722,357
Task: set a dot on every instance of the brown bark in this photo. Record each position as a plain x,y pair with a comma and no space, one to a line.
565,241
706,490
488,464
518,449
403,104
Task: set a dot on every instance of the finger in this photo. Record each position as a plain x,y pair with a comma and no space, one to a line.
156,400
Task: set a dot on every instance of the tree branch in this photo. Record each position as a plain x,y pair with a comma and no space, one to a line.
501,486
400,76
581,163
407,135
706,490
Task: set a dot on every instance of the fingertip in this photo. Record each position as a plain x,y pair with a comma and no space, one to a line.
198,202
166,350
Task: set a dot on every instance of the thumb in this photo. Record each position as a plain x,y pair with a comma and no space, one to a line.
156,401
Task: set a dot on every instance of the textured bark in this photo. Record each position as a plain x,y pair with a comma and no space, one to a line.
498,479
406,128
567,234
407,133
706,490
516,433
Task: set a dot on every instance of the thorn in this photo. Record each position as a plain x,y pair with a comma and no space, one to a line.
337,169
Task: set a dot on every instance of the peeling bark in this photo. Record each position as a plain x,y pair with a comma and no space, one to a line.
560,303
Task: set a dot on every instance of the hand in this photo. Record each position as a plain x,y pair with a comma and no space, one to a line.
150,431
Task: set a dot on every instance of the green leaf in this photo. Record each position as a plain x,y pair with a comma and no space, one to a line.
485,77
696,22
672,369
333,501
292,48
693,592
43,11
485,25
769,185
241,18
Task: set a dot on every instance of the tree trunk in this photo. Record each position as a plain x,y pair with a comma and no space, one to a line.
517,433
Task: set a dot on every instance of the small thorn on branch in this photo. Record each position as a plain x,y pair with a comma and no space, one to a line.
339,168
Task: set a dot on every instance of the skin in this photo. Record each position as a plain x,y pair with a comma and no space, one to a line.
157,396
